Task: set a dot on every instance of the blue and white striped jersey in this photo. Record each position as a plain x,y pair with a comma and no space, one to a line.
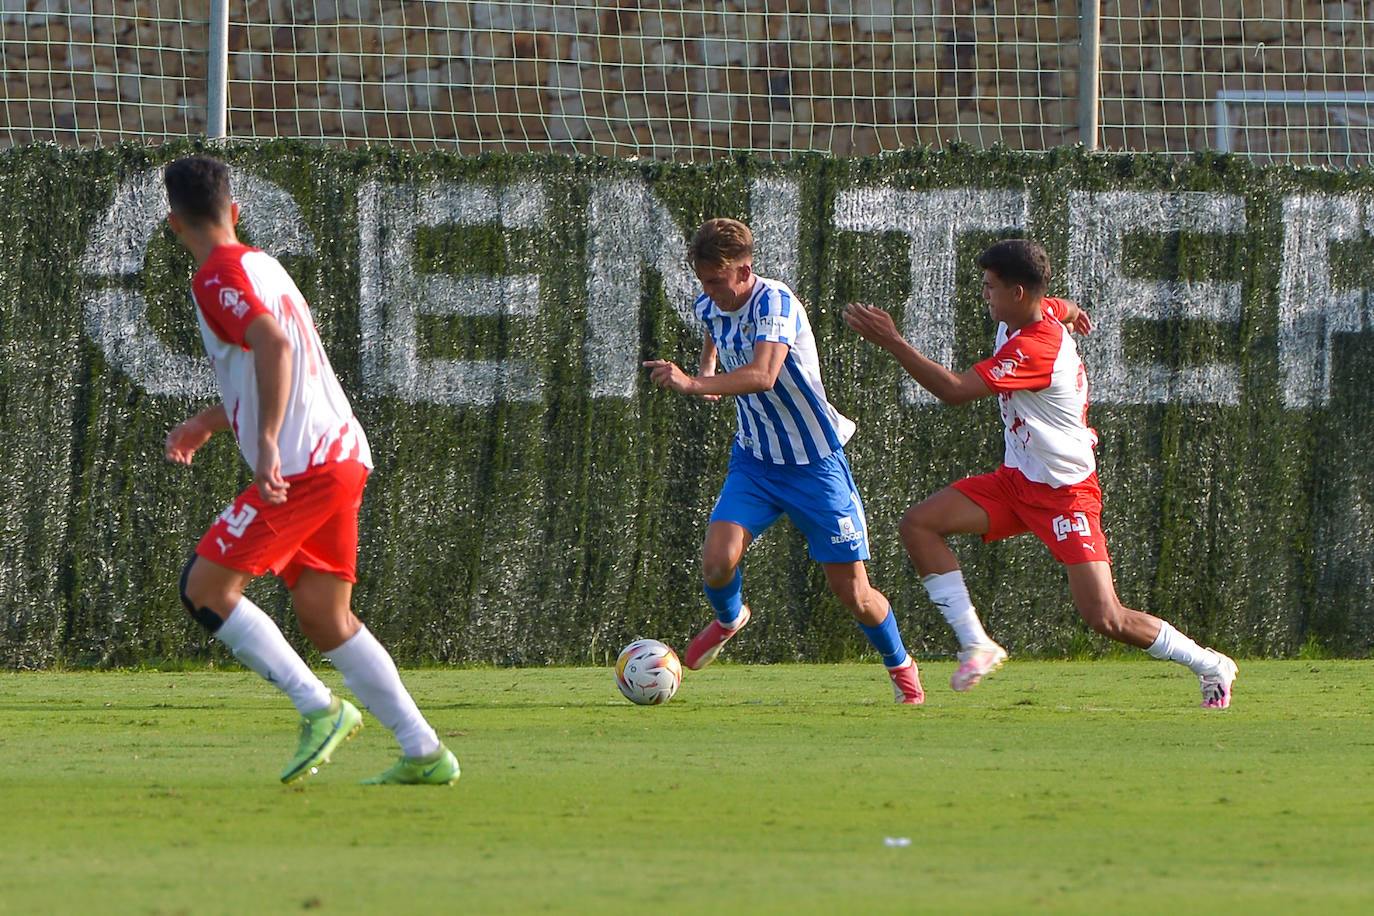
793,423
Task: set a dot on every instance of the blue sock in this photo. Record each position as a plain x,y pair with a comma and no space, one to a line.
727,600
887,640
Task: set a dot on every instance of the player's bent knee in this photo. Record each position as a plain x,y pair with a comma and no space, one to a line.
850,593
916,525
202,615
1106,621
717,575
717,570
848,596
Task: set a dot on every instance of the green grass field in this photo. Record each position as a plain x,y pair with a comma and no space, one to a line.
1060,787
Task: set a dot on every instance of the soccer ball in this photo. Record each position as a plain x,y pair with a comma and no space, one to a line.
648,672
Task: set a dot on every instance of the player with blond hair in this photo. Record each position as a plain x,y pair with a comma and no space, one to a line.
787,456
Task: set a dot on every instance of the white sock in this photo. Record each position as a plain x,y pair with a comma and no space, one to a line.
1173,646
256,641
948,592
370,673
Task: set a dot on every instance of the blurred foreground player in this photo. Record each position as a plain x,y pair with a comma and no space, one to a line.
299,518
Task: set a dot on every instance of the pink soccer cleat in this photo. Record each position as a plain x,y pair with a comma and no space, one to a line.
979,660
906,683
710,641
1216,687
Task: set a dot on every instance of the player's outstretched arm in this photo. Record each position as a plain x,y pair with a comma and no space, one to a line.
876,326
184,439
759,374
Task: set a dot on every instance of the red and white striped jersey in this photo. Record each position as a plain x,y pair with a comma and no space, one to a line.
1043,394
234,286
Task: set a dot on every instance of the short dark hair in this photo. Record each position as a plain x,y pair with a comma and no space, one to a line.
719,242
1019,261
198,189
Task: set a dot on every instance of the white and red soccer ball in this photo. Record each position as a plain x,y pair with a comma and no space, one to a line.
648,672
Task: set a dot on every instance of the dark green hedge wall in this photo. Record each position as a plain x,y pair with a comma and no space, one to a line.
554,511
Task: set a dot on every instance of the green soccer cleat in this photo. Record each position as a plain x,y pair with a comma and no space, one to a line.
438,769
321,732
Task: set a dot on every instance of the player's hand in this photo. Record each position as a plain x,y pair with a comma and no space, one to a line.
872,323
667,374
184,439
1082,324
267,475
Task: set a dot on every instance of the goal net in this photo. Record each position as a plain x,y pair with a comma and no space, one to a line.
695,79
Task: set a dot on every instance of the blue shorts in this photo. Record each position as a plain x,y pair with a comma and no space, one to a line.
819,498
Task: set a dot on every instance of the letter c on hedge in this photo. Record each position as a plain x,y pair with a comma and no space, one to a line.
117,318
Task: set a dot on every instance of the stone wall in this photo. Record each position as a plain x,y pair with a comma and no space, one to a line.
679,78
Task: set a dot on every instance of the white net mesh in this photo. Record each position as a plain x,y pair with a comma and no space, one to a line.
690,79
84,72
685,80
1282,79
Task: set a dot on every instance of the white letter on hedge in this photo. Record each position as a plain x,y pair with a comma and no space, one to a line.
775,215
117,319
1311,310
933,221
627,228
392,293
1097,225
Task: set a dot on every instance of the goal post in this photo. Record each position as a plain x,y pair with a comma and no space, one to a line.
1341,108
217,71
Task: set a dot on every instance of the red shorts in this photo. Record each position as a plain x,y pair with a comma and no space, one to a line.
1068,519
316,528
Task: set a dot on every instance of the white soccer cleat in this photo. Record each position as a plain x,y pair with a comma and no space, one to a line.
978,661
1216,687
